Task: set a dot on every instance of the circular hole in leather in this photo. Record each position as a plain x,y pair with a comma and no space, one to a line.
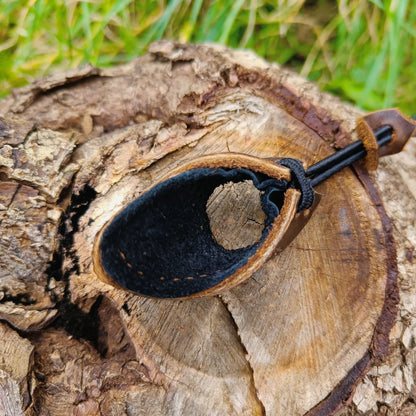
235,214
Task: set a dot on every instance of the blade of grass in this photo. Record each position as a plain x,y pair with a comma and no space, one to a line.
85,20
158,29
396,51
352,59
374,72
378,3
189,27
229,21
211,25
250,25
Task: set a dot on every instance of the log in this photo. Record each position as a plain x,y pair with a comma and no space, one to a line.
314,325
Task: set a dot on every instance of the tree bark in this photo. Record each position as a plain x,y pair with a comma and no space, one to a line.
309,329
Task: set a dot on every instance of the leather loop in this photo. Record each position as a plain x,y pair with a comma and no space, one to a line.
403,128
301,182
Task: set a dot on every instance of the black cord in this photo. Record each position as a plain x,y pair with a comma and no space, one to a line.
305,181
301,182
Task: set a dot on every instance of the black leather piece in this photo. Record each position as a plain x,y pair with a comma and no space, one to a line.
161,244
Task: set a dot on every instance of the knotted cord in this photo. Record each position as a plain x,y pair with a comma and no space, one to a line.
305,181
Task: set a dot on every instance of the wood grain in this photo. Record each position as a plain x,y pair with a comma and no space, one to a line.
294,339
235,215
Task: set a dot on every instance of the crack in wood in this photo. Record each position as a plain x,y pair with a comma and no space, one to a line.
246,355
11,201
201,94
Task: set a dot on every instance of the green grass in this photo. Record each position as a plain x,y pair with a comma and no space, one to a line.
363,51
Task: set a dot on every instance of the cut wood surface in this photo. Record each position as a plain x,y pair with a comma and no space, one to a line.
235,215
299,337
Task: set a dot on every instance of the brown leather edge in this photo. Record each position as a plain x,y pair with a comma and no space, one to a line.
366,135
298,222
234,161
403,128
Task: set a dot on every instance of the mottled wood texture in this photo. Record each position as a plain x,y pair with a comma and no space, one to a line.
235,215
294,339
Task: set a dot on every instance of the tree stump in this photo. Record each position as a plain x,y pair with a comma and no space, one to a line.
299,337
